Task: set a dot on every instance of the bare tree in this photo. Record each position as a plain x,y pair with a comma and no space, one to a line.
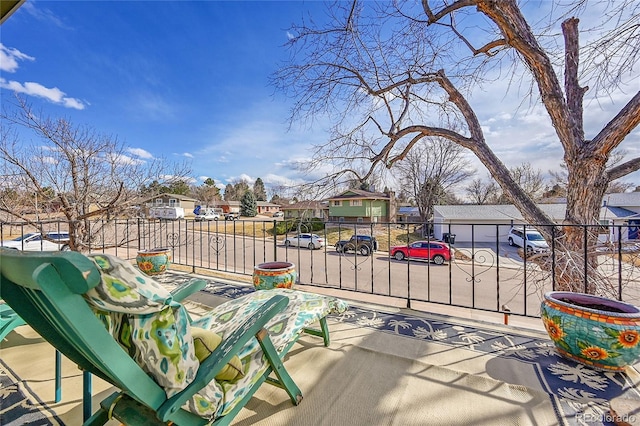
483,191
529,179
207,193
561,177
390,74
91,176
432,169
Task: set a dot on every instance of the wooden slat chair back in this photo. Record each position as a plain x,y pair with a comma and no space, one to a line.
45,289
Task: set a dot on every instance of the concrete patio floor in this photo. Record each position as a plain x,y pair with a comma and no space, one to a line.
386,365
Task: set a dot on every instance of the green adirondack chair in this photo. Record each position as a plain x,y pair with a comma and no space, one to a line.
8,320
46,289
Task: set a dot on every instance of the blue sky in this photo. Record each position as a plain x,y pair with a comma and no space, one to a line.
170,79
189,80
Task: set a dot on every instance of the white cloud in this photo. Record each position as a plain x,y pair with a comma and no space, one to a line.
186,154
125,159
139,152
54,94
9,58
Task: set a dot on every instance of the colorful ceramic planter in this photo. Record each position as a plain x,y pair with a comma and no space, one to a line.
274,275
601,333
154,261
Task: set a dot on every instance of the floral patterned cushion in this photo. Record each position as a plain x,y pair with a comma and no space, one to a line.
143,317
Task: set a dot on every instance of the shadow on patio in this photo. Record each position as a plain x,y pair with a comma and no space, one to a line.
385,366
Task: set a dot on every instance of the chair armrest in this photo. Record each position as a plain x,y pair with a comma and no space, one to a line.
229,347
186,289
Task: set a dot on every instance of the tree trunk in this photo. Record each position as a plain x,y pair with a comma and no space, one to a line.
576,267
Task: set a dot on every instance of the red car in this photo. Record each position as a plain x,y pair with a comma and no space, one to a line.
430,250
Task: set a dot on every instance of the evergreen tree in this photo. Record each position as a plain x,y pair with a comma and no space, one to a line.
179,187
259,190
248,205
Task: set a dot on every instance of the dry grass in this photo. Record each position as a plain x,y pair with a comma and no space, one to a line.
386,237
633,259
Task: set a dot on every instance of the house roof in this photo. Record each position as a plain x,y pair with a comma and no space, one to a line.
305,205
7,7
508,212
499,213
352,194
623,199
611,212
408,210
176,196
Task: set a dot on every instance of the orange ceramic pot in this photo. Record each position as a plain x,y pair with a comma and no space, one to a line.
274,275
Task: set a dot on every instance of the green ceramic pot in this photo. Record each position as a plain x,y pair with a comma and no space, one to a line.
154,261
595,331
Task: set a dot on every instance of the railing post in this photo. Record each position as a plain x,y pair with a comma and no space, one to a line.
275,241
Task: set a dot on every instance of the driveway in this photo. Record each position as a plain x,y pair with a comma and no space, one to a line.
487,254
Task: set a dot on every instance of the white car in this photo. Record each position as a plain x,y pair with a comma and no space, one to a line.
534,242
310,241
34,242
208,216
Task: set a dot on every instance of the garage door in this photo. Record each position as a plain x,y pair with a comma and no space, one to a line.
473,232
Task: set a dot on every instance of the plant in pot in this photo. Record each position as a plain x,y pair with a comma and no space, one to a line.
596,330
271,275
154,261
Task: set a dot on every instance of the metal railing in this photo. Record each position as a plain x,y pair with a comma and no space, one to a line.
487,274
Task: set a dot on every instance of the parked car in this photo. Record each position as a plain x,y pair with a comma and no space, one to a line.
435,251
363,244
310,241
34,242
535,242
207,215
278,214
232,216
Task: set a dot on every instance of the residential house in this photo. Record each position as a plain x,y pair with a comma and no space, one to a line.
488,223
360,206
266,208
170,200
306,209
262,207
408,214
228,206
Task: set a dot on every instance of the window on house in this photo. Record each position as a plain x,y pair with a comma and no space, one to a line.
360,220
337,203
173,202
158,201
356,203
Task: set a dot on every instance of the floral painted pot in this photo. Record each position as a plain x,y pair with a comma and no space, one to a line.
271,275
154,261
595,331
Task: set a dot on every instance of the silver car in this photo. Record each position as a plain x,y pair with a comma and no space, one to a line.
310,241
34,242
532,240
